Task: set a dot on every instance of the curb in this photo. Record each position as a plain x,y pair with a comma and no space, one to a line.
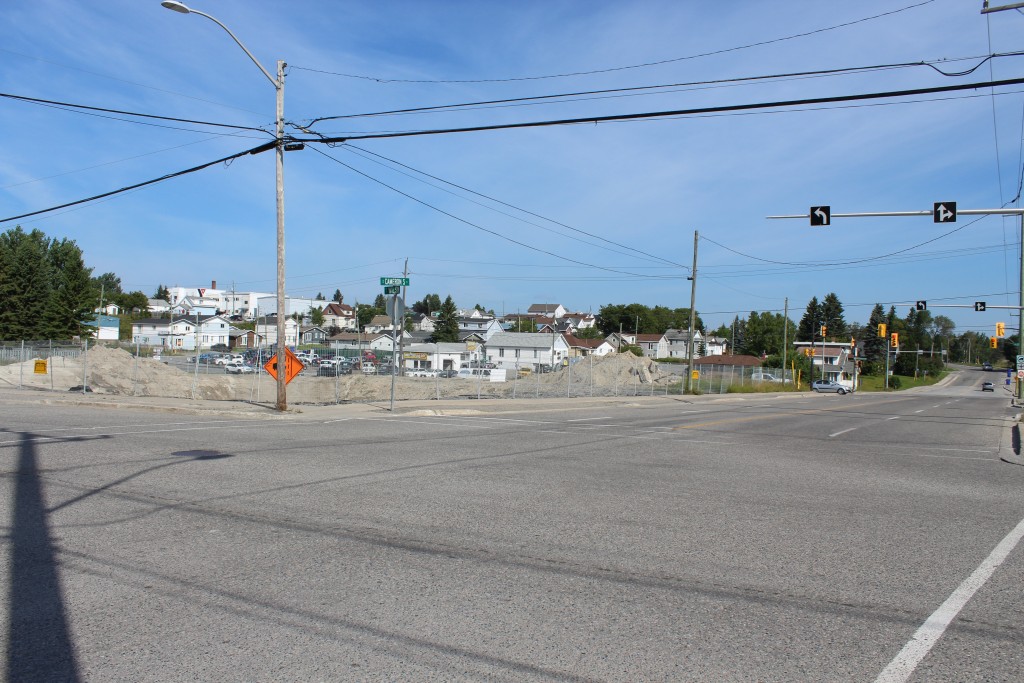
1010,446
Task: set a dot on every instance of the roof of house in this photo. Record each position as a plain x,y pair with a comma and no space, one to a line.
544,308
748,361
307,328
584,343
339,310
380,321
526,340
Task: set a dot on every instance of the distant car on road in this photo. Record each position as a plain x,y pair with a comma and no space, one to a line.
238,368
988,386
986,366
826,386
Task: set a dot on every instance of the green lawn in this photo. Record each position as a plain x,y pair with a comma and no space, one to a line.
877,382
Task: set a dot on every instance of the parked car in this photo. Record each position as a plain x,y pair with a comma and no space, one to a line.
827,385
330,370
768,377
448,373
203,358
421,372
988,386
368,368
238,368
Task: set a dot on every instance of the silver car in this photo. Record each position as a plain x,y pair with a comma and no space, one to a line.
827,385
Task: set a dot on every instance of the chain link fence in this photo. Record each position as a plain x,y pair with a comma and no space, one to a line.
369,375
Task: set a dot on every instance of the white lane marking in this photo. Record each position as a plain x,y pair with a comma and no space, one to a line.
938,406
902,666
842,431
894,417
585,419
919,411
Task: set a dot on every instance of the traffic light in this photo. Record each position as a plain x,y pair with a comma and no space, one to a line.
1000,329
881,330
853,344
823,330
993,342
894,339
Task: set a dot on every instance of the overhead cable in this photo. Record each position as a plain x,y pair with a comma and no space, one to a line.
71,105
771,41
641,89
489,231
677,112
254,150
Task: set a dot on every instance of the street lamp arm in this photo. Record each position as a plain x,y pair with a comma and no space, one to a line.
183,9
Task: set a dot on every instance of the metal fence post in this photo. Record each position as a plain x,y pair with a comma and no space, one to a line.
85,364
21,364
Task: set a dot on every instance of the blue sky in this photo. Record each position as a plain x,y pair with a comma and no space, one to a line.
640,189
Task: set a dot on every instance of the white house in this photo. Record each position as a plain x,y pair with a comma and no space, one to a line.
183,332
548,310
653,345
339,315
526,349
107,327
839,365
439,356
229,301
588,347
267,305
266,327
484,326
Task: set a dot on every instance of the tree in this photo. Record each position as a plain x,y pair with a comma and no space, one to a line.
320,296
874,345
132,302
588,333
523,325
338,298
763,334
644,320
109,286
431,303
832,317
316,316
162,293
447,327
810,324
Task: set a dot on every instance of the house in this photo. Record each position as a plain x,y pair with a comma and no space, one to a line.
230,302
158,306
714,346
835,357
193,306
422,322
548,310
186,333
107,327
679,344
620,339
266,327
379,323
434,356
108,309
526,349
483,326
653,345
341,316
312,334
377,341
581,321
267,305
244,339
588,347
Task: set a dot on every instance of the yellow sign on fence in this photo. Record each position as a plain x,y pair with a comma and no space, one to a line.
40,367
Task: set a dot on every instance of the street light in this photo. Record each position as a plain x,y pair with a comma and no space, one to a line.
278,83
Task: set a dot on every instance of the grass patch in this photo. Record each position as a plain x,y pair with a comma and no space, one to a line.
758,388
877,382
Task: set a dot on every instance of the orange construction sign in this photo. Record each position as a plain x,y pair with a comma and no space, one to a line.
292,366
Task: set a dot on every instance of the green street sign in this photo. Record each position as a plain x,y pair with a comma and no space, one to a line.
392,289
401,281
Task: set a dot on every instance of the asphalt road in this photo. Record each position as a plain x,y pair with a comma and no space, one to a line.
776,538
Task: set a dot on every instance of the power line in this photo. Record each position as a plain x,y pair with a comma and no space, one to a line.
623,68
254,150
480,227
72,106
677,112
517,208
644,89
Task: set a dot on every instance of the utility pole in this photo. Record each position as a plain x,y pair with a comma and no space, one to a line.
693,303
401,331
785,337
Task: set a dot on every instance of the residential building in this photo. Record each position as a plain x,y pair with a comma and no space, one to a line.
312,334
526,349
341,316
482,326
679,344
653,345
548,310
588,347
108,327
379,323
832,359
186,333
434,356
292,305
266,328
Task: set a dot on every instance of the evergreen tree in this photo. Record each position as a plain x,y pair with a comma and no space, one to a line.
447,327
26,309
873,345
320,296
316,316
338,298
72,297
380,302
162,293
811,322
832,317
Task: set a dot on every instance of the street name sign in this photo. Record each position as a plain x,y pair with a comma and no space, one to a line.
401,281
392,289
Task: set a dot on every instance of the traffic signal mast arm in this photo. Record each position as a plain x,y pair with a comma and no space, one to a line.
868,214
987,306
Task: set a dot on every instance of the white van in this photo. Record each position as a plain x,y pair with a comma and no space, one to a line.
470,373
